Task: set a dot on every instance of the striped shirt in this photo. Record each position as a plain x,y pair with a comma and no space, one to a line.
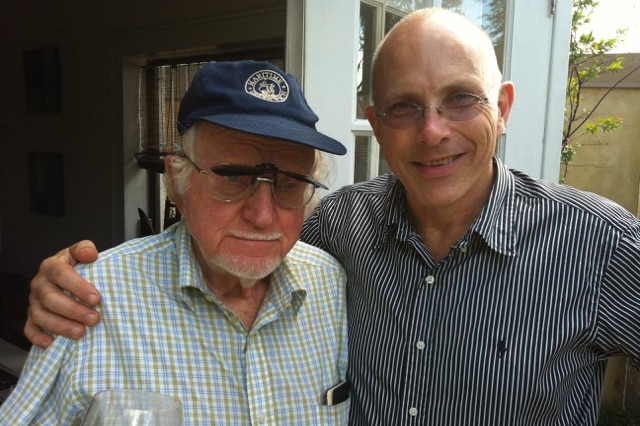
163,330
512,328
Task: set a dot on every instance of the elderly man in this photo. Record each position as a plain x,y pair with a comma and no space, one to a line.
225,310
477,295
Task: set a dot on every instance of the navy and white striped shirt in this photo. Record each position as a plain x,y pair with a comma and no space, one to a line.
513,327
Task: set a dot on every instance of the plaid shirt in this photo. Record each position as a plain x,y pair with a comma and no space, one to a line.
163,330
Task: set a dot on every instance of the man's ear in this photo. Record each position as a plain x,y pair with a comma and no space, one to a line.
167,165
169,172
372,116
505,103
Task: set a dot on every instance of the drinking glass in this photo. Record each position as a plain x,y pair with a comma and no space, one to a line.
133,408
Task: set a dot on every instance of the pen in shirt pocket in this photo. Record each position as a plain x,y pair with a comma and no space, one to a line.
336,394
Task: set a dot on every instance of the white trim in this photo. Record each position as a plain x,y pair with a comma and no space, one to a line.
536,50
294,44
330,64
556,98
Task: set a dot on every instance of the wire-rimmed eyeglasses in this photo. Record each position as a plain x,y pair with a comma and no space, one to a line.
235,182
455,107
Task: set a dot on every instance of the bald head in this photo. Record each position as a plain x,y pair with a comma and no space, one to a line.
427,36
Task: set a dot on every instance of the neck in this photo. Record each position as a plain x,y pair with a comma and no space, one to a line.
440,232
441,226
244,298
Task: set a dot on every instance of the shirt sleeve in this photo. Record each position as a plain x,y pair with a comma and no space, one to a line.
43,393
619,307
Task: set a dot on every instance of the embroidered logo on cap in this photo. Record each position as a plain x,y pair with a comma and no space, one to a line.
268,86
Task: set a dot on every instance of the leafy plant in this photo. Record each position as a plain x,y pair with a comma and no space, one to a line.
587,60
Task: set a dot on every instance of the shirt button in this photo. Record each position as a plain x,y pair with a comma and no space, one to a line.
430,279
413,411
463,249
420,345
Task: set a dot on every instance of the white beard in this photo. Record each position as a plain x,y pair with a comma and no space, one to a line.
247,272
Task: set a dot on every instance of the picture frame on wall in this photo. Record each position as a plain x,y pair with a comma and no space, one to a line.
42,80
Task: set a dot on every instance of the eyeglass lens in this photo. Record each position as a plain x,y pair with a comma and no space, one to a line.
457,107
234,183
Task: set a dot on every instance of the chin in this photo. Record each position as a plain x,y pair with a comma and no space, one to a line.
249,270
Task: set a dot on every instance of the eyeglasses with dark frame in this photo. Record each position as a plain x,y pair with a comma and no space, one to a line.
455,107
235,182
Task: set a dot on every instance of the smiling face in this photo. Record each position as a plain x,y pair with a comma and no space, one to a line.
442,164
245,239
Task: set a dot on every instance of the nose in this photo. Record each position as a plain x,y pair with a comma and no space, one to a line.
259,207
433,126
437,112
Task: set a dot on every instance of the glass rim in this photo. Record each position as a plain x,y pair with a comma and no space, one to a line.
262,173
419,112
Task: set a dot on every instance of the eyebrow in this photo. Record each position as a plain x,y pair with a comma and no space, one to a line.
454,87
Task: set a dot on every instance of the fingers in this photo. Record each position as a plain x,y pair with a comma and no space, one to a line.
40,319
51,310
82,252
47,301
56,273
35,335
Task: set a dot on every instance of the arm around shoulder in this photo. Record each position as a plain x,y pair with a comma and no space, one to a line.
51,310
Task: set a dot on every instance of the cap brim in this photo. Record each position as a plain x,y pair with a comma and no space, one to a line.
279,128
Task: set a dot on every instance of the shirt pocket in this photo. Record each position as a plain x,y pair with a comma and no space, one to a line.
333,415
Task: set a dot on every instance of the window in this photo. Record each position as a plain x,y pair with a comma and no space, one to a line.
375,21
162,88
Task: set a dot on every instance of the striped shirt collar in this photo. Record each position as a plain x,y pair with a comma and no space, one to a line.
495,223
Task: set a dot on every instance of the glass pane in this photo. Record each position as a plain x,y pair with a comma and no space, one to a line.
369,162
365,54
370,36
362,158
390,20
406,6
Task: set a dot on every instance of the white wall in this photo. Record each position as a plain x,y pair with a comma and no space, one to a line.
537,50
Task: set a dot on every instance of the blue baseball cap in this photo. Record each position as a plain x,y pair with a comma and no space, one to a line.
253,97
